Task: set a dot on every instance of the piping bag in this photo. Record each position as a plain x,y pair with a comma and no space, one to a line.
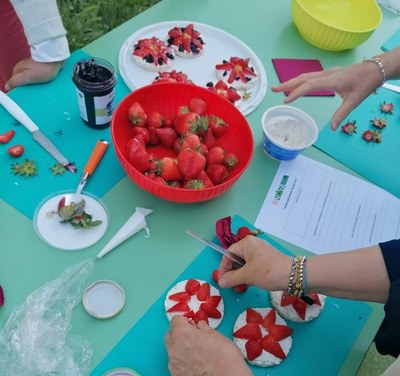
134,224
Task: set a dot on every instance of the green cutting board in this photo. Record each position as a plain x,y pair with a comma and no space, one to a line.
318,346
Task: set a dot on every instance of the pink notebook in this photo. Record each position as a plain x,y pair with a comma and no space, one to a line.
290,68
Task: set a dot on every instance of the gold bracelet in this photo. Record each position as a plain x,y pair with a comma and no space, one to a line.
378,62
296,277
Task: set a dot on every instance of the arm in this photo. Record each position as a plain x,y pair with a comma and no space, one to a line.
359,274
353,83
46,36
200,350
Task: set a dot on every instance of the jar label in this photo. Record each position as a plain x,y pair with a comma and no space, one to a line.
96,109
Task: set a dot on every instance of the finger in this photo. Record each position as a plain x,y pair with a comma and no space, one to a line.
202,325
232,278
24,77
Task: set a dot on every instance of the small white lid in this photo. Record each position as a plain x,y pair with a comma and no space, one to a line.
121,372
104,299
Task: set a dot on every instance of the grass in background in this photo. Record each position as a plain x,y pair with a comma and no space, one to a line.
87,20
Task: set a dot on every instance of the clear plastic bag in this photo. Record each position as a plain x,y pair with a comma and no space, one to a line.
392,5
34,340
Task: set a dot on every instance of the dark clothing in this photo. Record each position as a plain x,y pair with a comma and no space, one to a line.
388,337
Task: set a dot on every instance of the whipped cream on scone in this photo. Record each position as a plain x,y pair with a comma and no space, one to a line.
262,336
153,54
295,309
237,72
196,300
186,41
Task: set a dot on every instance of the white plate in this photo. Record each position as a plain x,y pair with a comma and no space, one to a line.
104,299
220,45
63,235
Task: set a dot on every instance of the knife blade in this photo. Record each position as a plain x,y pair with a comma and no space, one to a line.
37,135
217,248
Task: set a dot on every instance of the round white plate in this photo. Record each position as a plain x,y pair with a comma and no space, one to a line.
220,45
63,235
103,299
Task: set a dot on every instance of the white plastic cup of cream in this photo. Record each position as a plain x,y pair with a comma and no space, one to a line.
287,131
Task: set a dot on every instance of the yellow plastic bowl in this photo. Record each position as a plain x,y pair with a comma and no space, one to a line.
336,25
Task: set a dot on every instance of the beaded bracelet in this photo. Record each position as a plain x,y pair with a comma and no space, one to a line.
298,280
378,62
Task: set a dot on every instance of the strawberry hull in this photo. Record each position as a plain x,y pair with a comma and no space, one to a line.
166,98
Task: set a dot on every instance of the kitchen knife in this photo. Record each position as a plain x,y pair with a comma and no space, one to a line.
37,135
218,248
391,87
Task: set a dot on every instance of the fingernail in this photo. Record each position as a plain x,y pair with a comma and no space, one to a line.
7,86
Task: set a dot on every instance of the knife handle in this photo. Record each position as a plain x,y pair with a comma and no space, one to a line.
17,112
97,154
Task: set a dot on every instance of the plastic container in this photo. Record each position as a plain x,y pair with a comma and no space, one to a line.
287,131
95,82
165,98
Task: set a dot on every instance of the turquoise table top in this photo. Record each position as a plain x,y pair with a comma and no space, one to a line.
145,267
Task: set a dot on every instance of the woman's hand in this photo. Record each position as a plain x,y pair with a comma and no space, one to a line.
265,266
197,350
28,72
353,83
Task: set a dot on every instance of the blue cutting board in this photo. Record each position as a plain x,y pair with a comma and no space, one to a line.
377,162
54,108
322,344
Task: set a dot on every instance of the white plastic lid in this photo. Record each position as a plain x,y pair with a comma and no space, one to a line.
121,372
104,299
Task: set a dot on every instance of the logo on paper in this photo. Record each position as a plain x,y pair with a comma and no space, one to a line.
280,190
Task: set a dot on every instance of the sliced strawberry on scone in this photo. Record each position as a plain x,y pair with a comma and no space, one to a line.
205,302
186,41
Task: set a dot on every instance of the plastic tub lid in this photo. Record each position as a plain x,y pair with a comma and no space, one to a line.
104,299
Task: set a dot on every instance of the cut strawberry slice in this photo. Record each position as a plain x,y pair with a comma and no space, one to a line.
280,331
253,316
271,344
200,315
182,296
253,349
248,331
210,309
203,292
269,319
192,285
179,307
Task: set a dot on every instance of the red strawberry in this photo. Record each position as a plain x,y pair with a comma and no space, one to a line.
243,232
280,331
300,307
136,115
192,286
186,123
253,349
182,110
181,296
179,307
271,344
215,275
198,105
137,154
217,125
202,181
373,136
200,316
6,137
143,131
209,139
214,300
154,119
203,292
154,139
205,179
269,319
190,141
253,316
248,331
167,168
215,155
210,310
226,91
16,150
191,163
240,289
231,160
217,173
167,136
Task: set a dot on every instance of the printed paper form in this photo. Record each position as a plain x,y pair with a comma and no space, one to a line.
322,209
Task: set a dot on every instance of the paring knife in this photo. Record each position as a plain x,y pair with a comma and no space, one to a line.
218,248
391,87
37,135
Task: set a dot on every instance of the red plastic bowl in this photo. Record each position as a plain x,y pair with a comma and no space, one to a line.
165,98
